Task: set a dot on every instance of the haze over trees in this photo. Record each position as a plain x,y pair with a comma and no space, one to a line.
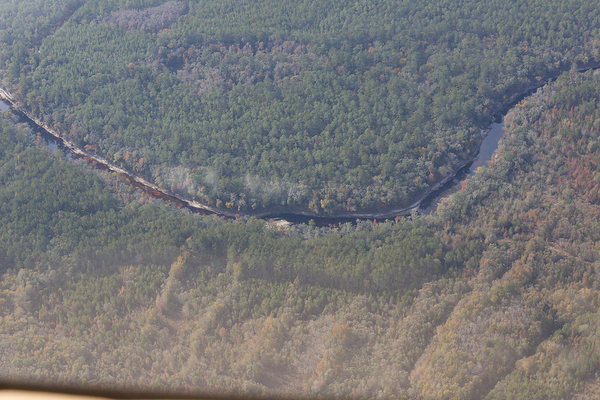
261,104
493,297
323,107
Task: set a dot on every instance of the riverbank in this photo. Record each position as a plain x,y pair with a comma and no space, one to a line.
429,198
296,216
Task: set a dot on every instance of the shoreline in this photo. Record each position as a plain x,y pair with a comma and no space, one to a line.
295,216
194,206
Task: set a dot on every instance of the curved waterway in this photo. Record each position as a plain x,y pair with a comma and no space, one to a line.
426,205
486,152
50,141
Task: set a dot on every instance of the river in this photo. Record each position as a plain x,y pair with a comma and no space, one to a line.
427,205
48,139
486,152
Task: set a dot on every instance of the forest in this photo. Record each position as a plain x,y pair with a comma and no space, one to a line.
305,106
494,296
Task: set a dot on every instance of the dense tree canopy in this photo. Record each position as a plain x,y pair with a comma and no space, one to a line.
316,106
495,296
309,105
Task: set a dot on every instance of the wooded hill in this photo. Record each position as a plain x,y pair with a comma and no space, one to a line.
495,296
316,106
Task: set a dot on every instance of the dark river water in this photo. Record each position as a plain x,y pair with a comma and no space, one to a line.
486,151
50,141
428,205
488,146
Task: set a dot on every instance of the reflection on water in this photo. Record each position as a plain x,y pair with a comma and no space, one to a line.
50,141
52,145
428,205
488,146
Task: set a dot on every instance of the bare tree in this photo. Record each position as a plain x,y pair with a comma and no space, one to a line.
151,19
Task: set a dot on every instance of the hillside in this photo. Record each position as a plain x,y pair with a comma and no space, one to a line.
313,106
495,296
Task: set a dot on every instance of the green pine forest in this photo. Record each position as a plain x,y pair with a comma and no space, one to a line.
328,107
314,106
